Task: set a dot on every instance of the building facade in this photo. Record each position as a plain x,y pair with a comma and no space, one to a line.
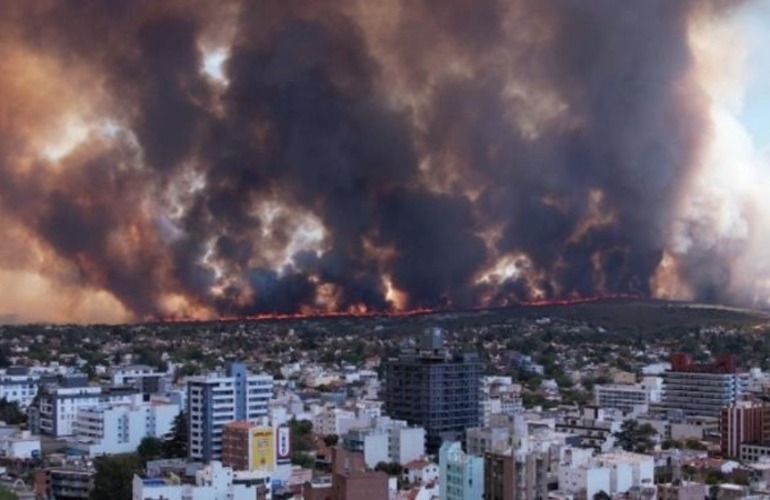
405,443
585,475
213,482
591,426
499,477
141,377
683,490
64,482
248,446
120,428
628,397
743,422
461,476
351,479
372,443
753,452
218,399
55,411
702,389
386,440
435,389
480,440
15,444
18,385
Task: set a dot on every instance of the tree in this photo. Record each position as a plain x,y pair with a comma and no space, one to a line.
695,444
636,437
302,459
114,476
715,476
4,361
176,442
90,370
331,440
10,412
667,444
146,355
301,432
150,448
391,469
186,370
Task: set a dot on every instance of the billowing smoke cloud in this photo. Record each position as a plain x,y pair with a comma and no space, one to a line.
215,158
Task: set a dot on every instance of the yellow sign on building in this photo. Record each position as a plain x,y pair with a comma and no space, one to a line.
262,448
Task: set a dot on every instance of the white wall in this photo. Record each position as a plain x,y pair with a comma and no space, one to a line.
621,478
375,449
424,474
596,480
68,407
338,422
592,480
166,492
121,428
407,444
20,446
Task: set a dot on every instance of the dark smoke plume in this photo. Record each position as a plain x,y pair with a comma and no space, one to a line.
354,156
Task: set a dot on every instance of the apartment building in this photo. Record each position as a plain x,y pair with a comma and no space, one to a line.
436,389
461,476
691,388
57,407
120,428
217,399
630,397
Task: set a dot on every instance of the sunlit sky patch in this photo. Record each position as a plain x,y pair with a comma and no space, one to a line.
755,114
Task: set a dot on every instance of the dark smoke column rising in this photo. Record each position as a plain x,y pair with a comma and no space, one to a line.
346,156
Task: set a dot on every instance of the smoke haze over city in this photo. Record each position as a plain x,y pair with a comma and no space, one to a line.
206,159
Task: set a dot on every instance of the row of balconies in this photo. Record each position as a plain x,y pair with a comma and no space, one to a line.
717,401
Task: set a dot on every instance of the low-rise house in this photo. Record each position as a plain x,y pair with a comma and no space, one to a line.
420,472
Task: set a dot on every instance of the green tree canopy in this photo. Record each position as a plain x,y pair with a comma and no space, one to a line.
331,440
114,476
391,469
10,412
150,448
301,432
636,437
175,444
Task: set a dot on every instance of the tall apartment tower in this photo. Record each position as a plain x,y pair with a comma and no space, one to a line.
702,389
434,388
218,399
743,422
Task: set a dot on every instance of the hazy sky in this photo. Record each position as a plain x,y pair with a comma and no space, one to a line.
755,114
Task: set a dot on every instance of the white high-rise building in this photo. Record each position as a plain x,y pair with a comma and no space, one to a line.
120,428
218,399
57,410
691,388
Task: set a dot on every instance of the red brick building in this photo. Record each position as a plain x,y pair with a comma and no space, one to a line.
743,422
